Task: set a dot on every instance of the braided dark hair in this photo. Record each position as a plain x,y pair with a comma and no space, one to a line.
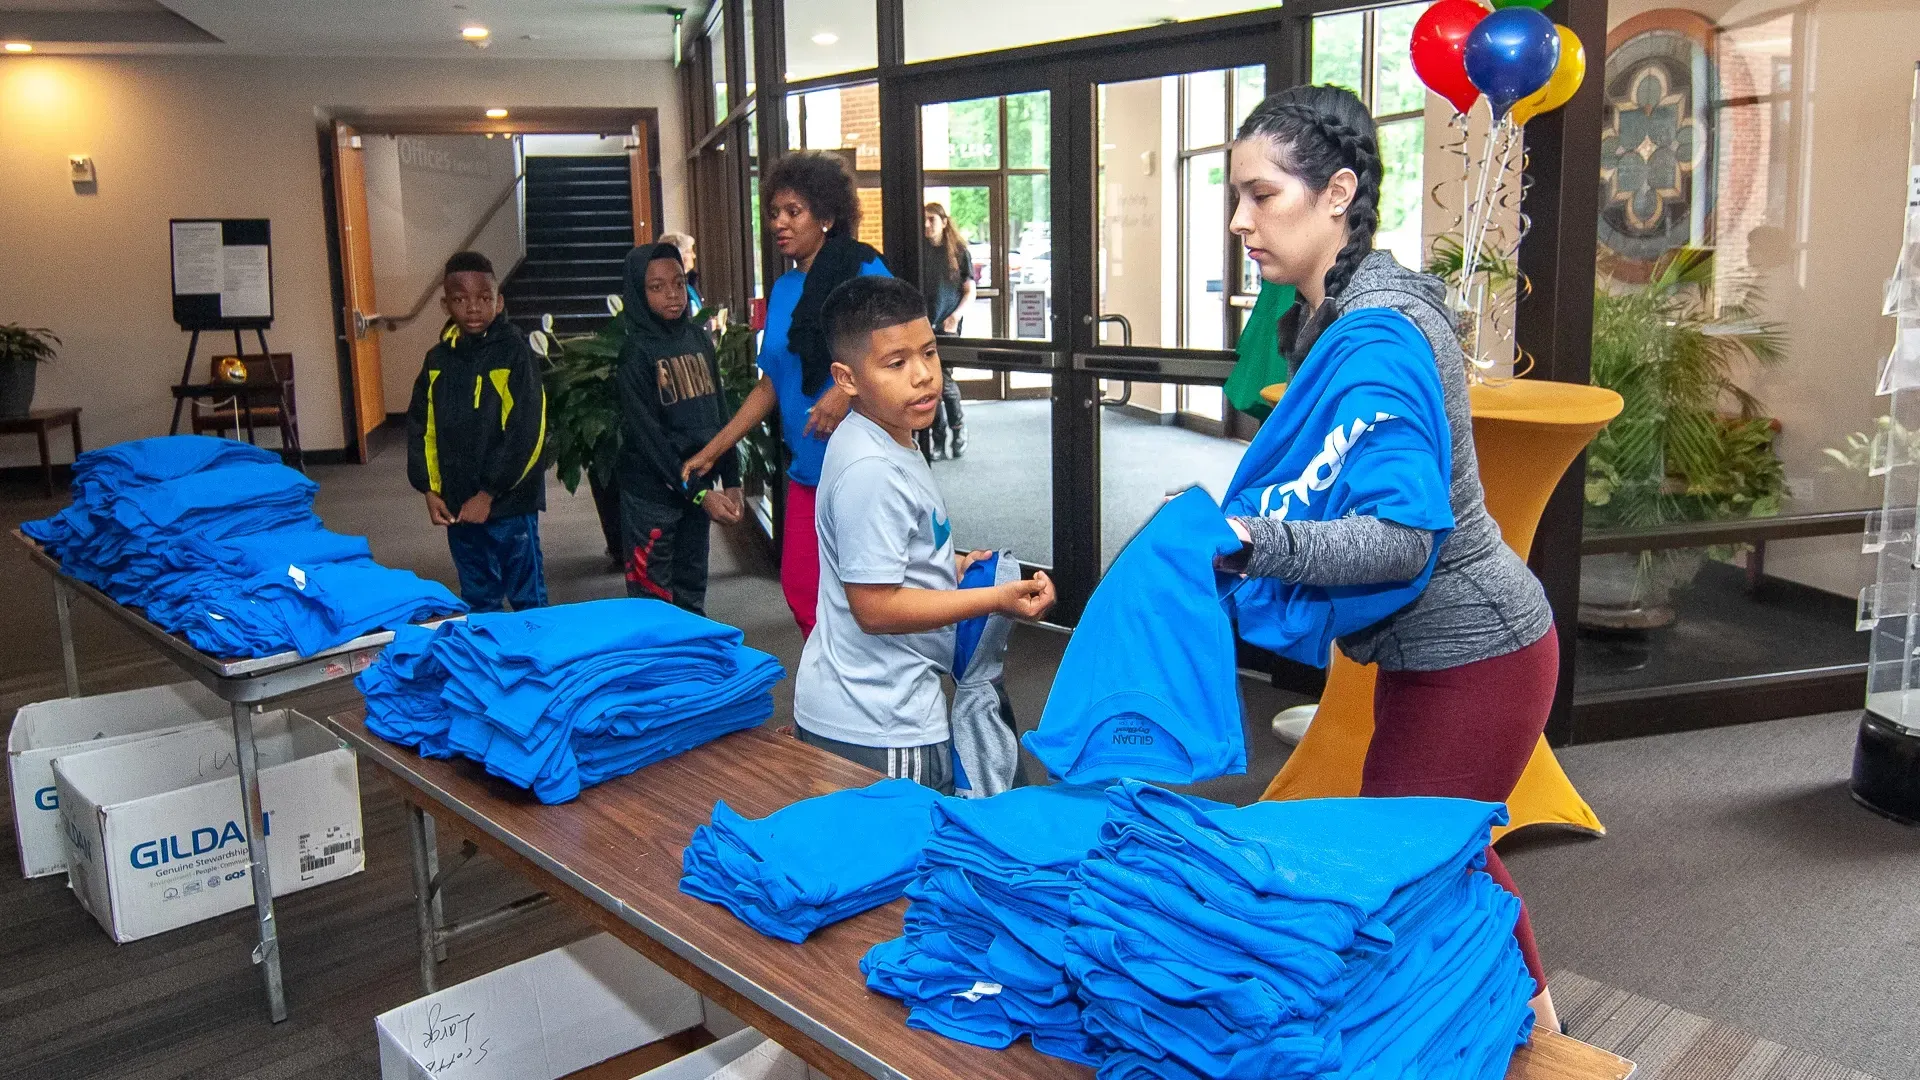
1316,132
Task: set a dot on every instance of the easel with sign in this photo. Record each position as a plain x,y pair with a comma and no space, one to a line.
223,281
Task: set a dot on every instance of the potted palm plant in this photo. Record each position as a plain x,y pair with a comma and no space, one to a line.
583,410
1689,444
22,350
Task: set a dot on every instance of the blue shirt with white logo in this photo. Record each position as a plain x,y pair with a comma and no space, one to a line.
881,522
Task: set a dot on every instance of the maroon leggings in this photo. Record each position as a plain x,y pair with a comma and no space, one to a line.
1465,732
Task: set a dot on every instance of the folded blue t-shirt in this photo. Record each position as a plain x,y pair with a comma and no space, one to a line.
813,862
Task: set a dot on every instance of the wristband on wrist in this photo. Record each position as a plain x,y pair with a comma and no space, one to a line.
701,496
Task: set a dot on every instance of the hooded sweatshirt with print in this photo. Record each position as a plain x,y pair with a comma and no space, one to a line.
671,402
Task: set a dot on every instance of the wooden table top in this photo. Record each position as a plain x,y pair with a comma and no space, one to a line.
620,843
40,418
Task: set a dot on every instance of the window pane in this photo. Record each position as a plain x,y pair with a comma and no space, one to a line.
1029,130
1337,49
1396,89
1030,263
937,28
717,49
746,12
844,118
961,134
827,37
970,208
796,130
1203,293
1206,108
1249,87
1401,189
1138,210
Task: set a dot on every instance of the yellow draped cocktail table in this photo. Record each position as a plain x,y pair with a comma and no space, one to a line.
1526,433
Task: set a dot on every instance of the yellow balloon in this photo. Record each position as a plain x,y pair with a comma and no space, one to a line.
1559,89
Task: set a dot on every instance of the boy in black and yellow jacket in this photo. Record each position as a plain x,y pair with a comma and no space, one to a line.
476,438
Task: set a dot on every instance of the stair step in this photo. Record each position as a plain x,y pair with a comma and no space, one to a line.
582,185
611,251
584,233
547,267
563,288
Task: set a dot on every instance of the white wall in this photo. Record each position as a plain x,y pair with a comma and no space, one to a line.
217,137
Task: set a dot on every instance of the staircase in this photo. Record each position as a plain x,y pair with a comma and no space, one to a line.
579,230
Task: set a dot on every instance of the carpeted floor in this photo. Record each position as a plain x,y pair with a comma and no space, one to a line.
1737,882
1672,1044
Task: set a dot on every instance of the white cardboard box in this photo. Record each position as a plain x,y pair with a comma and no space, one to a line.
539,1019
743,1055
156,837
45,730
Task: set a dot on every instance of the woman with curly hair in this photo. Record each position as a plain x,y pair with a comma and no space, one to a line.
813,211
1468,665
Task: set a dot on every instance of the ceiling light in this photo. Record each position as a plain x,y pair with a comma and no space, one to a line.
496,114
826,37
19,46
475,33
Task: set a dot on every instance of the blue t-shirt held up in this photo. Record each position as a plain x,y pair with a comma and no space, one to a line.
782,365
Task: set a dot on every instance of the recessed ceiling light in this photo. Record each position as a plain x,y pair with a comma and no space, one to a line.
826,37
475,33
19,46
496,114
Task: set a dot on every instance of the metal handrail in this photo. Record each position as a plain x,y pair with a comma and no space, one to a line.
395,322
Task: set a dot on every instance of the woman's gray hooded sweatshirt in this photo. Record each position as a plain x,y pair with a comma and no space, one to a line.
1482,601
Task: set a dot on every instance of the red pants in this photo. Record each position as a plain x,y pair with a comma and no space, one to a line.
1468,733
800,556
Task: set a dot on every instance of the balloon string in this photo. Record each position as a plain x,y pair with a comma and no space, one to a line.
1489,308
1457,147
1477,213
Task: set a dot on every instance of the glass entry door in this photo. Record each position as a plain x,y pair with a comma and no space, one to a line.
1172,287
986,162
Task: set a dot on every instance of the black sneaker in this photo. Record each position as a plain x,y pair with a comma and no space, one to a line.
956,443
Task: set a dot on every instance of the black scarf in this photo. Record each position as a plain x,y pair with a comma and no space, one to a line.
838,262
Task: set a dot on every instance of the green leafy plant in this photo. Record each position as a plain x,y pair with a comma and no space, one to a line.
583,405
31,343
1689,444
759,451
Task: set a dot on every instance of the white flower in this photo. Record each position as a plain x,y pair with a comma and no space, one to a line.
546,323
615,304
539,340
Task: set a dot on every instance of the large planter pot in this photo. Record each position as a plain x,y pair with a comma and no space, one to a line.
1634,590
606,503
16,387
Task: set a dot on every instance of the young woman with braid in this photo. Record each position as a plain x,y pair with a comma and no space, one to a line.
1467,669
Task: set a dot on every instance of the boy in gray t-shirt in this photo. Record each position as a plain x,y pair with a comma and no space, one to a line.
868,687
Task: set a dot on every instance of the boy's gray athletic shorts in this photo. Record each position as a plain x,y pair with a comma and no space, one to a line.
931,765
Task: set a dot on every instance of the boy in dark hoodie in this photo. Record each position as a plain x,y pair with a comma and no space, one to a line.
476,437
671,404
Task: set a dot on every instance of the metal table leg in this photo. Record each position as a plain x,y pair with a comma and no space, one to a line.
267,953
420,840
63,610
430,833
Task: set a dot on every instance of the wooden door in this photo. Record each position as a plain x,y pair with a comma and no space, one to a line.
646,227
356,268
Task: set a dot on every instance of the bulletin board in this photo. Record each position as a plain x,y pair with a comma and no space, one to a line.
222,273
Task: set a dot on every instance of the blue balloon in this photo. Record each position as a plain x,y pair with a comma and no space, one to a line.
1510,54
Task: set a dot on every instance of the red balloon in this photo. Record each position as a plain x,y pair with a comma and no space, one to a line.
1439,46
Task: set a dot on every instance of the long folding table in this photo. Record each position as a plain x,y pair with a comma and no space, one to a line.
613,857
247,685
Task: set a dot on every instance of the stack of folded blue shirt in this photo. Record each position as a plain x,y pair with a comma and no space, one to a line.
559,698
1319,938
217,542
795,870
983,955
